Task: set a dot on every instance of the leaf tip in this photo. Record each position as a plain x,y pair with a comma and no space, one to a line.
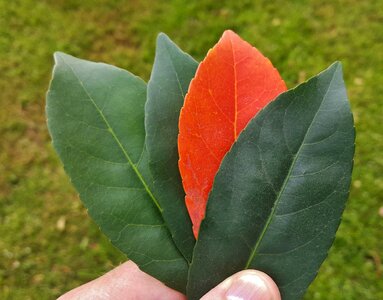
162,38
57,55
336,67
233,37
228,33
61,56
337,63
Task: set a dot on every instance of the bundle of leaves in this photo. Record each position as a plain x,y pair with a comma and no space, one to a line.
264,172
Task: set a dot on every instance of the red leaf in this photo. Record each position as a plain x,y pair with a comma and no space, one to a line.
231,85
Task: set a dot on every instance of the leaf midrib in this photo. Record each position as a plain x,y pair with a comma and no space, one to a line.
278,198
175,72
137,172
191,60
110,129
235,91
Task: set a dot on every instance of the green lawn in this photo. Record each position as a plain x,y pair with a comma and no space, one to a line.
48,244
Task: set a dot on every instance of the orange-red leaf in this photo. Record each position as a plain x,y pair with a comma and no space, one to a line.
231,85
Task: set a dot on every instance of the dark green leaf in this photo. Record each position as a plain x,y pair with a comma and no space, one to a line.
278,197
168,84
96,119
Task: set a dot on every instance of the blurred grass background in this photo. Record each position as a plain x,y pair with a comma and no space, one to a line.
47,242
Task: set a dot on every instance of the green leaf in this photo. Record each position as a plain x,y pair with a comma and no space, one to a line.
278,197
96,120
172,72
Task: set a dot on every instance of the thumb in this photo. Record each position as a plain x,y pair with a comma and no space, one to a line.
245,285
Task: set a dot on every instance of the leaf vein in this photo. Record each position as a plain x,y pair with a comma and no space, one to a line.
272,213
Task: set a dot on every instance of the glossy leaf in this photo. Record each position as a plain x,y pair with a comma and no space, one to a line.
231,85
96,119
172,71
278,197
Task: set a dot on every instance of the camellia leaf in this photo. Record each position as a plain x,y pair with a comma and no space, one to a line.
279,194
172,71
96,119
231,85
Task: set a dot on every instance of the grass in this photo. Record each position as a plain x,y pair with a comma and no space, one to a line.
48,244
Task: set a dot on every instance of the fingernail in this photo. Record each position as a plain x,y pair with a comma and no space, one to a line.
249,287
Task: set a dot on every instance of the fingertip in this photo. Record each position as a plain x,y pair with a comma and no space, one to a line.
126,281
272,289
246,285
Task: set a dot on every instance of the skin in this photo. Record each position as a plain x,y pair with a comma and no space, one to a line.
127,282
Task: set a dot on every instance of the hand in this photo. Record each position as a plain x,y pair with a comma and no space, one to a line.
129,282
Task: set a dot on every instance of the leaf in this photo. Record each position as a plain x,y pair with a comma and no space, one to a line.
231,85
278,197
168,84
96,120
